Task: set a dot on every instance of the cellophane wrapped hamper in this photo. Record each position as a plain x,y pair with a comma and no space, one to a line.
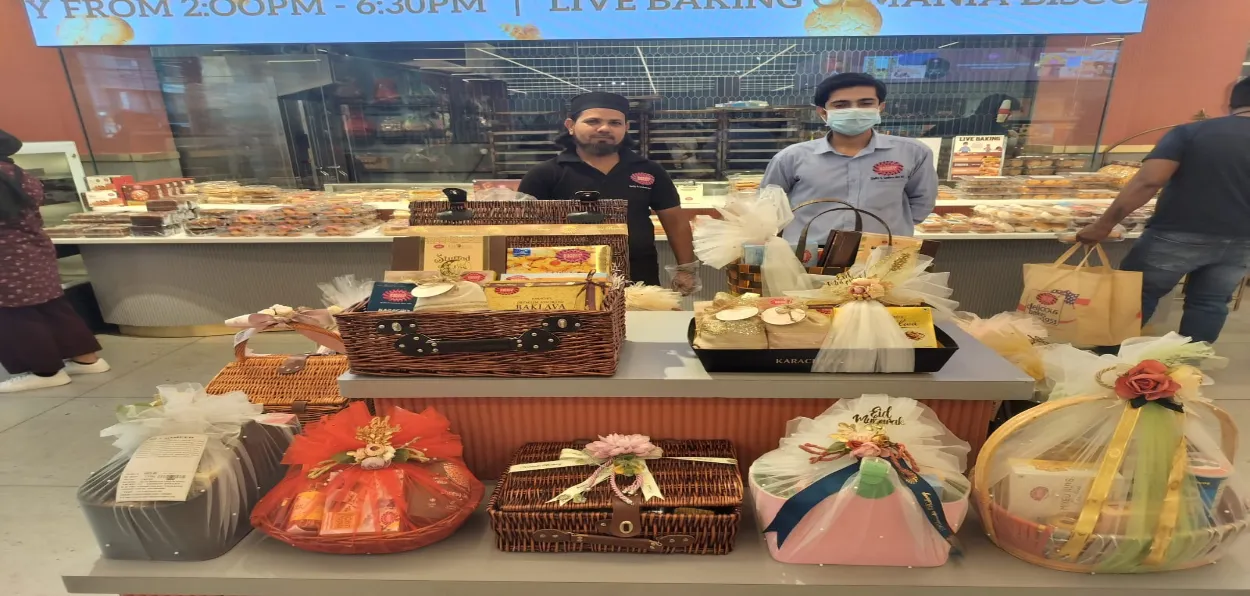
875,480
1127,469
241,461
361,484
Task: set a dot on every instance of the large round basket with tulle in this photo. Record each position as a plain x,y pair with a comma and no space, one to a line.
1135,478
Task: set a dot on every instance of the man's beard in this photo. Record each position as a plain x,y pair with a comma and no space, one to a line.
596,148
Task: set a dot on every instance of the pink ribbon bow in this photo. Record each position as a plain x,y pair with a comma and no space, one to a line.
258,322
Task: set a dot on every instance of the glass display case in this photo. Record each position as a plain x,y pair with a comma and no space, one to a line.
58,166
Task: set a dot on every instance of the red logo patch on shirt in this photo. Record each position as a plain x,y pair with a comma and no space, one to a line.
888,168
643,178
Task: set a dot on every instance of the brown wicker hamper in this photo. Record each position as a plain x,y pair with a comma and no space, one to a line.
487,343
699,513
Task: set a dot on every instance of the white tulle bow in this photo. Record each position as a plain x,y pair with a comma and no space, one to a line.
181,409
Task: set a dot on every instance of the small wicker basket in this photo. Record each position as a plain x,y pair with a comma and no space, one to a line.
304,385
699,513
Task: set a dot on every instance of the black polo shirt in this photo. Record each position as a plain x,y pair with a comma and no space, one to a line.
636,179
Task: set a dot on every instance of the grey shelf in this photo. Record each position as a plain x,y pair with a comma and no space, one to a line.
468,564
656,361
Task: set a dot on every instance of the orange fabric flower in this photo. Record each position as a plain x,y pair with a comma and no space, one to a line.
1149,379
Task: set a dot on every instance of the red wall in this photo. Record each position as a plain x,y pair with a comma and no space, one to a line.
1186,59
36,104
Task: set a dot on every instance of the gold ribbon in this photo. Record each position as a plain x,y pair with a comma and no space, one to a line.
1170,512
1103,481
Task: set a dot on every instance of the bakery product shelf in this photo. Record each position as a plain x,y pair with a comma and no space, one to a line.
181,238
656,350
468,564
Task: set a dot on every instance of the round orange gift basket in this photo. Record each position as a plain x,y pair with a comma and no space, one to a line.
360,484
1126,470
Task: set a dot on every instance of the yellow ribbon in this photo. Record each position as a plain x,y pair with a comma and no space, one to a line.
1103,481
1170,512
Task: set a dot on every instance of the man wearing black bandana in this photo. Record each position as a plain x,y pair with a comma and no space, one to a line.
597,157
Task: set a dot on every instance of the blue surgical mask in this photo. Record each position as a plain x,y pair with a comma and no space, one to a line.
853,121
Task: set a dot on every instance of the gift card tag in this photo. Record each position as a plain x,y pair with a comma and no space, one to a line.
432,290
738,313
783,316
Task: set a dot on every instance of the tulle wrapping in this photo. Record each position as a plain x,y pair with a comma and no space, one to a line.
750,219
1158,486
353,510
241,460
782,271
857,524
864,337
1013,335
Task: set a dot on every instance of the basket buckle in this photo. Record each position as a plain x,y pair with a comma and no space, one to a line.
395,327
562,324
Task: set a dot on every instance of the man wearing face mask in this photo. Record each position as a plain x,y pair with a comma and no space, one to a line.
892,177
597,157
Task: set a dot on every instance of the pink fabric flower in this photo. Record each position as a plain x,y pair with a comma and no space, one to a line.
616,445
867,450
1149,379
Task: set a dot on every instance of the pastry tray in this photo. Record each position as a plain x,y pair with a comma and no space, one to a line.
928,360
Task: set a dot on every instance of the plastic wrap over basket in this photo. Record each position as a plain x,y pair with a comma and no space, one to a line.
1126,469
876,480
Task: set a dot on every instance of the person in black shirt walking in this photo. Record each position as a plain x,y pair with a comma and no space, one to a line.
597,157
1201,225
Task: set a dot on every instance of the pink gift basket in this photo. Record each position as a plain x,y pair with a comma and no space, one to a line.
876,480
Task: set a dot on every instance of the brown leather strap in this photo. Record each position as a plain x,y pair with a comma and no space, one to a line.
293,364
841,206
626,520
674,541
299,406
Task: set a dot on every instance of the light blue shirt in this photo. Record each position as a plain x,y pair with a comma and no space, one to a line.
893,177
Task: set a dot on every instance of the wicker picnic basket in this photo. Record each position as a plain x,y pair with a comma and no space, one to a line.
302,384
1042,543
564,217
699,512
493,343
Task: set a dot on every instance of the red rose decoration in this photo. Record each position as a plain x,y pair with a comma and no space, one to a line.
1149,379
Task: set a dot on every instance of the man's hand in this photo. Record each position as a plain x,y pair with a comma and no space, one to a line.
686,278
1093,233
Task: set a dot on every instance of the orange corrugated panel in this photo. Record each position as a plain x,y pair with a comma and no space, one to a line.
492,428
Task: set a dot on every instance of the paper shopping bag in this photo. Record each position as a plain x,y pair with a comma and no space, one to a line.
1083,304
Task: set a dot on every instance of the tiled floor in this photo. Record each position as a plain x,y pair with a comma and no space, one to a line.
49,441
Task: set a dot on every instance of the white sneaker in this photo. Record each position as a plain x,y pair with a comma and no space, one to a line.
78,368
31,381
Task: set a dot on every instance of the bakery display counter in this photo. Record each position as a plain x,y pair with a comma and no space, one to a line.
660,379
468,564
178,286
184,285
